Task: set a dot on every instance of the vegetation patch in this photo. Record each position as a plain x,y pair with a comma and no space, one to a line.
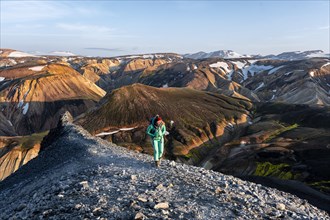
28,142
323,186
278,132
281,171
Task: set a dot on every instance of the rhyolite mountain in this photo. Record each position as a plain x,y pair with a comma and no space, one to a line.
99,180
32,96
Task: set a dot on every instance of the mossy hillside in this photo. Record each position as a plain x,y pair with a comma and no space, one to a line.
282,170
28,142
278,132
21,143
323,186
136,104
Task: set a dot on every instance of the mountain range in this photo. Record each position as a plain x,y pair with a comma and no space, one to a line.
263,119
229,54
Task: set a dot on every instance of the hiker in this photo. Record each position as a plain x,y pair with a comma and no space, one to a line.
156,130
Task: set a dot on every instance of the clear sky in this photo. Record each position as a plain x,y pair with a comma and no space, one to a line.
110,28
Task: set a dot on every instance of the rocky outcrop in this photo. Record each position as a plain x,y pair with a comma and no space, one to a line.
94,179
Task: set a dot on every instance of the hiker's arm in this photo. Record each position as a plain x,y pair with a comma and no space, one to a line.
148,131
163,130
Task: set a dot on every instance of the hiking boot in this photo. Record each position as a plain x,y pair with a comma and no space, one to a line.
157,163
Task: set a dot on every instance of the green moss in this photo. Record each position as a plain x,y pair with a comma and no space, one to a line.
274,170
277,132
196,154
323,186
28,142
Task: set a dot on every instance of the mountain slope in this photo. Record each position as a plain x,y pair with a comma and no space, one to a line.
94,179
17,151
33,97
199,117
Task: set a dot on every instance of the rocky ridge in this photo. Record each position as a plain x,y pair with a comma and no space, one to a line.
95,179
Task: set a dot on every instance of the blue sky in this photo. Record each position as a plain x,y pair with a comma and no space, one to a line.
110,28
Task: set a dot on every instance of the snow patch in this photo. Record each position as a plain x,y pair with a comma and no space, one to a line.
221,64
148,56
252,61
132,57
114,132
239,64
260,86
317,54
25,108
20,103
327,64
311,73
61,53
36,68
230,74
253,69
273,97
2,78
9,122
20,54
106,133
286,74
274,70
195,67
13,62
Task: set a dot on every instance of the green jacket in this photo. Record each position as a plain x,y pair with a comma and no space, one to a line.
156,133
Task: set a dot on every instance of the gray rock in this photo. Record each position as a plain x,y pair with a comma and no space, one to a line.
140,216
280,206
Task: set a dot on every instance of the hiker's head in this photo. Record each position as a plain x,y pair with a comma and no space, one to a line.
158,120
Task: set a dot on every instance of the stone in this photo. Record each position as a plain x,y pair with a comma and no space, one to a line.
97,211
160,186
20,207
133,177
170,185
60,196
140,216
142,199
172,163
162,205
280,206
84,184
165,212
218,190
47,212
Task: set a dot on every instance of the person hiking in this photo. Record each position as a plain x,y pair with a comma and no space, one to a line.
156,130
